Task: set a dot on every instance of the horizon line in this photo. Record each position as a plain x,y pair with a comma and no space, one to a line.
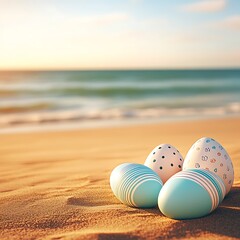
115,69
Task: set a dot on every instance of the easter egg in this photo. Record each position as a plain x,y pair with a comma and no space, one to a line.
191,193
165,160
208,154
135,185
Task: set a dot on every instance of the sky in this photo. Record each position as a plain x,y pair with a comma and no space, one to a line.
126,34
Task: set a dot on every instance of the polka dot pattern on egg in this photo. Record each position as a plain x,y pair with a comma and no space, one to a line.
166,161
206,153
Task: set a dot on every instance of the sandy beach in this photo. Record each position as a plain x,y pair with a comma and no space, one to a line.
55,185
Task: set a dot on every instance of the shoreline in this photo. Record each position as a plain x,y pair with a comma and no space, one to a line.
108,123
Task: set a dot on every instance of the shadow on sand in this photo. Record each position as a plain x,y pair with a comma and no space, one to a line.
224,221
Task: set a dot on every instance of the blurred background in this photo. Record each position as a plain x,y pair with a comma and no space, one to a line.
73,64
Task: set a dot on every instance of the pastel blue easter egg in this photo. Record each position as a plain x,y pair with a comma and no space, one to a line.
192,193
136,185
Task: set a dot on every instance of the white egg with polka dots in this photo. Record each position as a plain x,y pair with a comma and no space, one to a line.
165,160
206,153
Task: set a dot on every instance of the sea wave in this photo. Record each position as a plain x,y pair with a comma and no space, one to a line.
115,113
117,90
39,98
79,103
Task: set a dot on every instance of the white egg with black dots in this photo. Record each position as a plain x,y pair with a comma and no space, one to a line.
165,160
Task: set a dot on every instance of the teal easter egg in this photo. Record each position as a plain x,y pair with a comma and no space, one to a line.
191,193
135,185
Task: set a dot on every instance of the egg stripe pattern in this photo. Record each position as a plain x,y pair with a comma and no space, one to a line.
204,182
213,181
126,178
135,188
199,182
127,181
122,170
128,188
219,181
213,186
136,184
139,180
210,187
222,186
216,180
127,184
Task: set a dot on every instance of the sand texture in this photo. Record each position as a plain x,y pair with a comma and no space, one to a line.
55,185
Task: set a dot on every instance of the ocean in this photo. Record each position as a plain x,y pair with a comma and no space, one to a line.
31,100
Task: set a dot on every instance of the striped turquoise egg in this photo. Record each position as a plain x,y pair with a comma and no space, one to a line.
136,185
191,193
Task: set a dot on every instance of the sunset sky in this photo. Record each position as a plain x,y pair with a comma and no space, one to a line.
93,34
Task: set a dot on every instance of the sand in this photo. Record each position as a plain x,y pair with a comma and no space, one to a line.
55,185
